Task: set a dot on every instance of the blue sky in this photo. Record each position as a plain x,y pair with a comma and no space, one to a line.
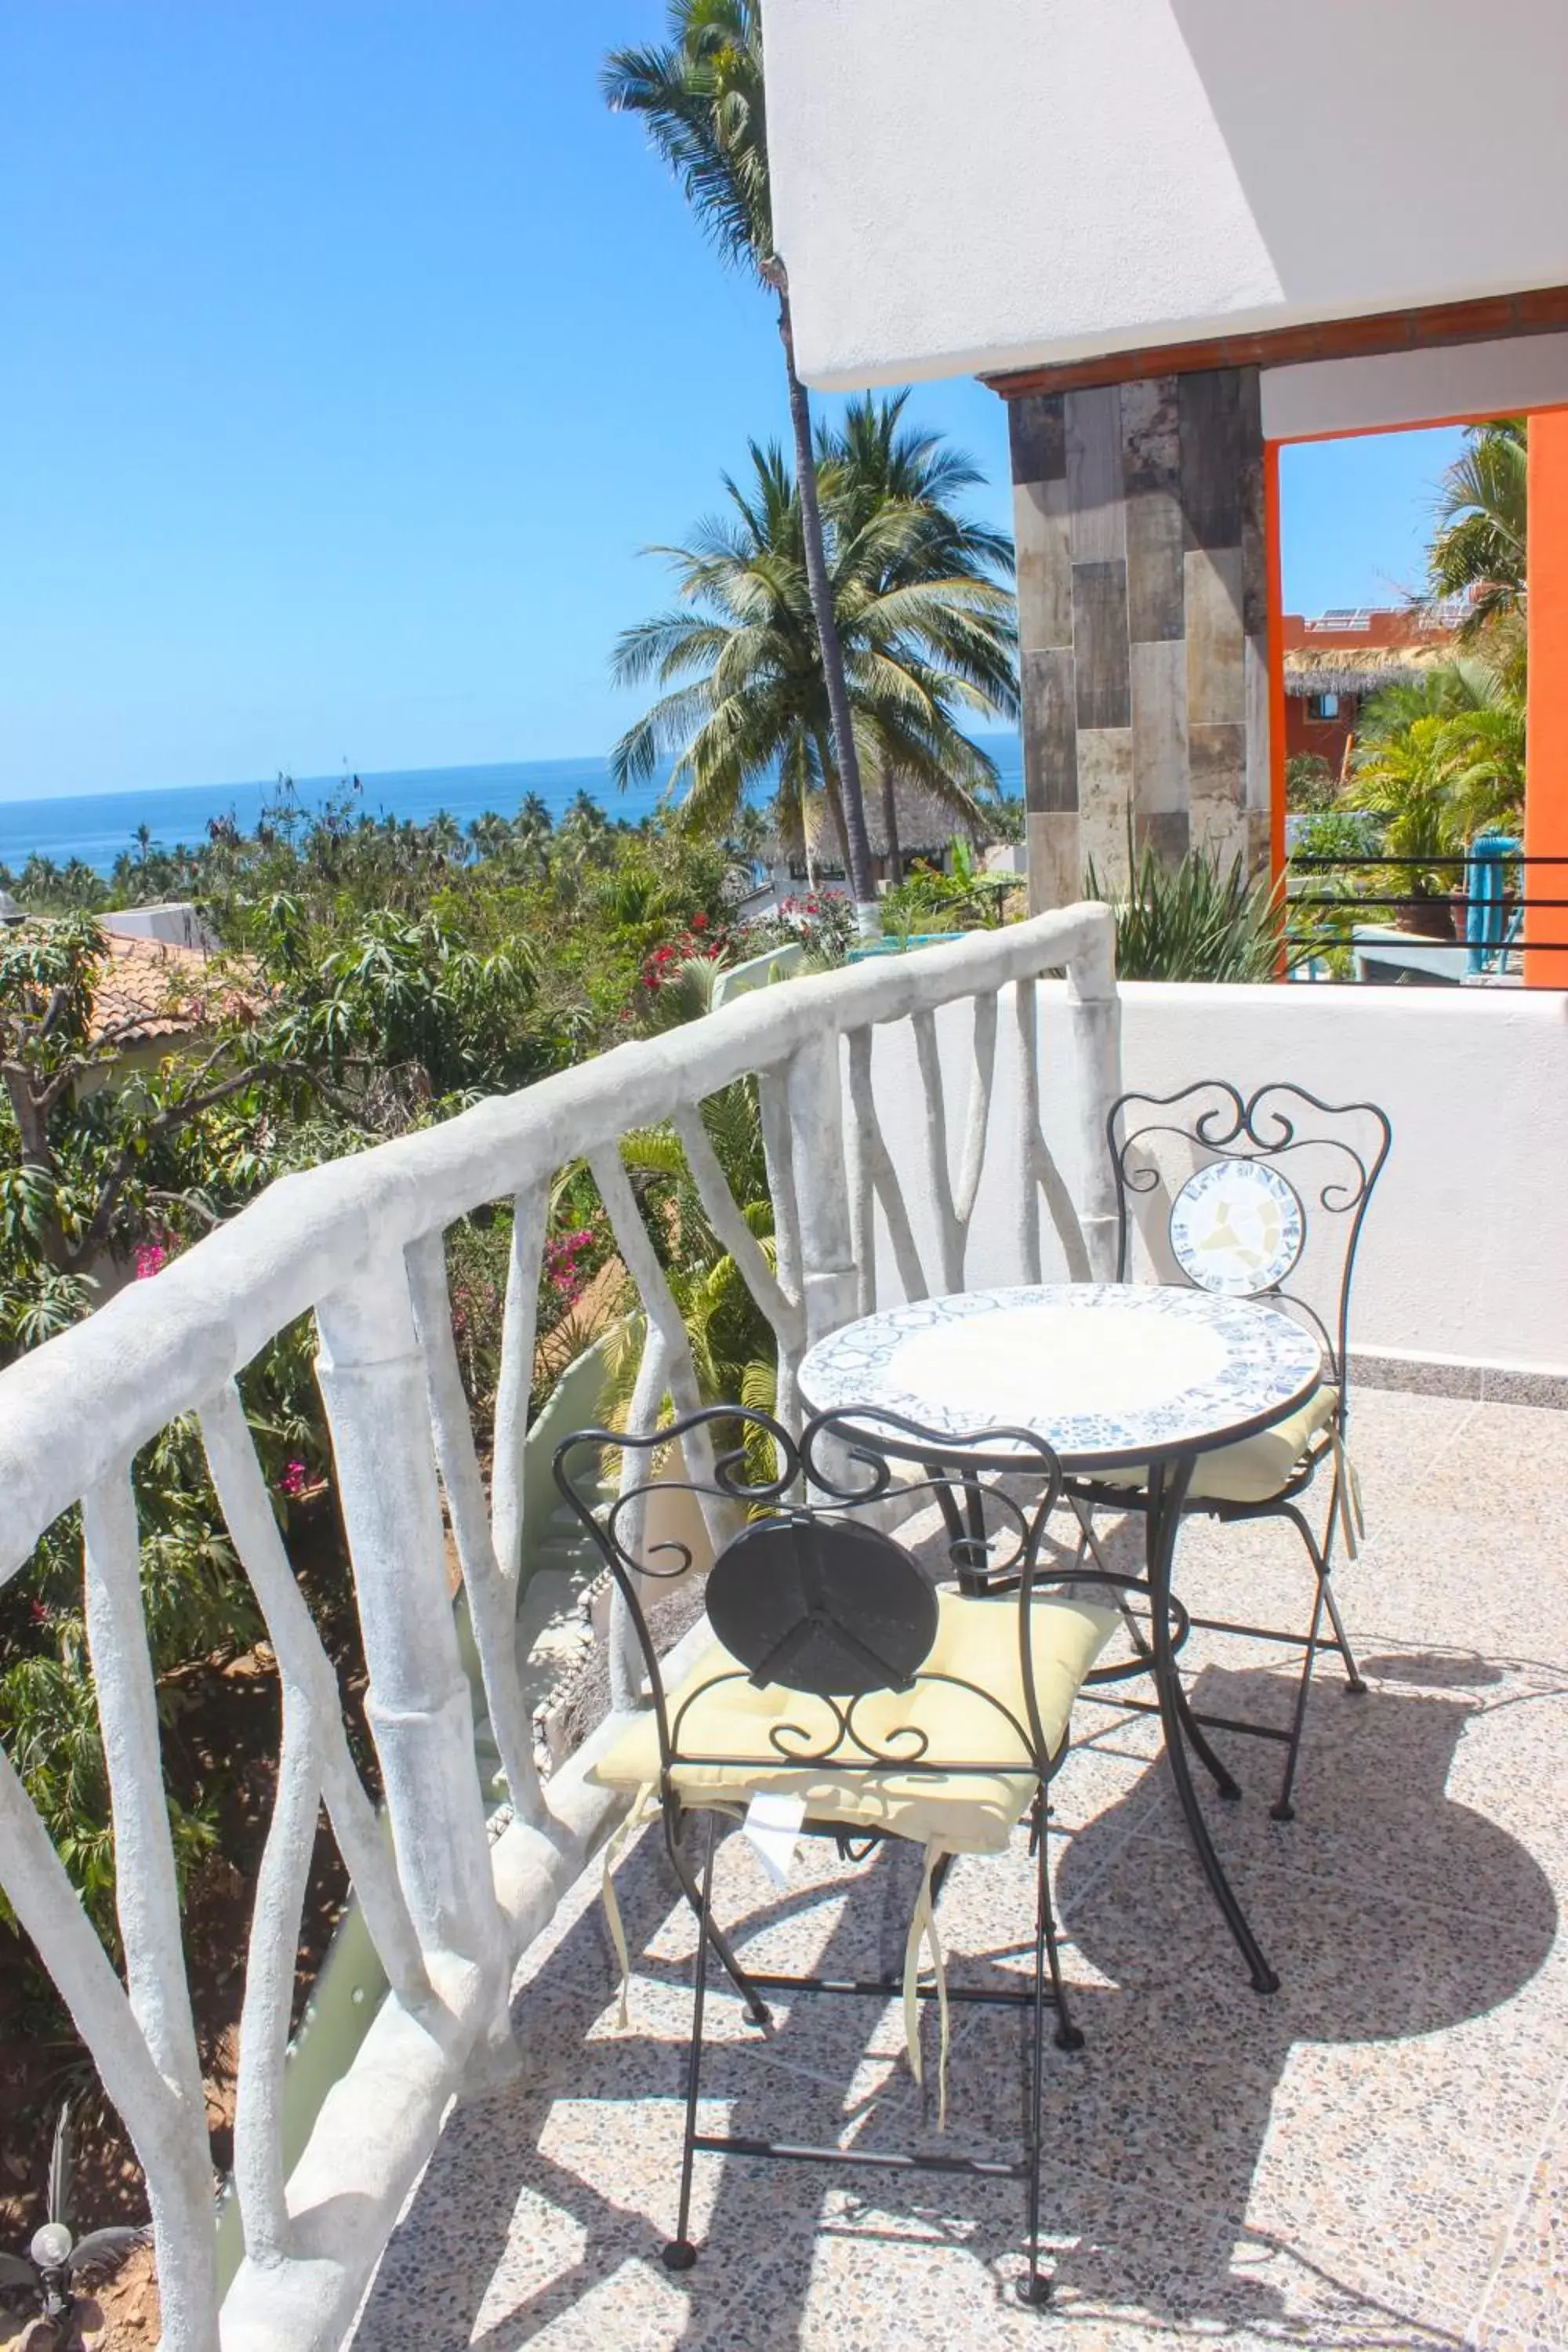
351,352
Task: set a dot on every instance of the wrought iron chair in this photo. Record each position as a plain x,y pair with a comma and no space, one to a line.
886,1703
1260,1197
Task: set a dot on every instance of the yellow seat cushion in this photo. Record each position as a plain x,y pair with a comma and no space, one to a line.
1258,1468
969,1811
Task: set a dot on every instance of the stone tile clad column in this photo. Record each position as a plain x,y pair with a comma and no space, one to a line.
1138,510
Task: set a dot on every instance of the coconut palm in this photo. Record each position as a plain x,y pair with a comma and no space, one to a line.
533,830
490,833
701,96
1447,690
926,627
1439,782
1480,549
882,466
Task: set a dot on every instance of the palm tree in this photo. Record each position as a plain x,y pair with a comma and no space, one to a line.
1438,782
444,837
701,96
1480,549
582,814
532,831
1445,690
882,468
490,833
926,629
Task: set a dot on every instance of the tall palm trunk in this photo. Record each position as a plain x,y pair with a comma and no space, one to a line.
835,805
862,890
890,827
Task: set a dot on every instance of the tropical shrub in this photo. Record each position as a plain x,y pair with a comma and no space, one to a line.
1197,920
1310,781
963,898
823,925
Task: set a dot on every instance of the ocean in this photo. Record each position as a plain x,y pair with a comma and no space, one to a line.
96,826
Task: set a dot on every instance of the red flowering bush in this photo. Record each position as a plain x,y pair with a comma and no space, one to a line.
701,939
823,923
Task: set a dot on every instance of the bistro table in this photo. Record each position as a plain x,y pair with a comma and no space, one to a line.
1140,1378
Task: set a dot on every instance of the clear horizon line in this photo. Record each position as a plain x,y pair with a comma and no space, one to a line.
341,776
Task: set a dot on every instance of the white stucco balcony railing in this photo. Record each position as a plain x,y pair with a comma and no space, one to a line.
360,1242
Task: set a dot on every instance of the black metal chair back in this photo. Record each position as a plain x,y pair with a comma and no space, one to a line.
1261,1196
812,1596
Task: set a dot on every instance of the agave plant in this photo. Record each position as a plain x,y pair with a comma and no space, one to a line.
1197,920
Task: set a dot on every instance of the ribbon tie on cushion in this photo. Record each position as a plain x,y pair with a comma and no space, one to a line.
614,1849
923,1931
1347,1496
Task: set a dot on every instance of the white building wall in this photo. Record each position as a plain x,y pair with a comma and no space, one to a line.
1401,388
1465,1253
984,185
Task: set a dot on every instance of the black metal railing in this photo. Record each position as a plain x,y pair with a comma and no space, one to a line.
1482,915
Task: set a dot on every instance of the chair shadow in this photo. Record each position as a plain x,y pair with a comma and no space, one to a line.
1371,1906
1390,1910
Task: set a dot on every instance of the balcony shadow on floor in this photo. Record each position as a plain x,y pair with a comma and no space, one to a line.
1391,1912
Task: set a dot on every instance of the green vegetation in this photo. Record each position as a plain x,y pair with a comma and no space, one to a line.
375,977
1310,781
1480,545
961,897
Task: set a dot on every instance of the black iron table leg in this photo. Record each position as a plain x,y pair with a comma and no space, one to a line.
1167,1488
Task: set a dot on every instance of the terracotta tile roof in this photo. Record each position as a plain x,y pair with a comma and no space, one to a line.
150,990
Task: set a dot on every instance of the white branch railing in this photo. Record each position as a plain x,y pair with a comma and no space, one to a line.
360,1242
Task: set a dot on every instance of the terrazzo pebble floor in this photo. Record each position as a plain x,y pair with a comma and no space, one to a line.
1376,2156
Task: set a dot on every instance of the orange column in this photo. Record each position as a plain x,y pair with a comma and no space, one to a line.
1546,786
1275,560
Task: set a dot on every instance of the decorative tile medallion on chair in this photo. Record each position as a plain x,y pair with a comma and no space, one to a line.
1236,1228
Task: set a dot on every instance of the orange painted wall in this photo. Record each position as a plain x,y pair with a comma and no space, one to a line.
1274,561
1546,787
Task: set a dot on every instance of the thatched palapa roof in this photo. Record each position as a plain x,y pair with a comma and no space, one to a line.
1357,669
926,826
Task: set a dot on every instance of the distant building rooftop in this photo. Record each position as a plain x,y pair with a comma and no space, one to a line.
1356,650
150,990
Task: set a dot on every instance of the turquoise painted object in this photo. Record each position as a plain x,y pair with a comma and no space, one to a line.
1489,931
865,948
